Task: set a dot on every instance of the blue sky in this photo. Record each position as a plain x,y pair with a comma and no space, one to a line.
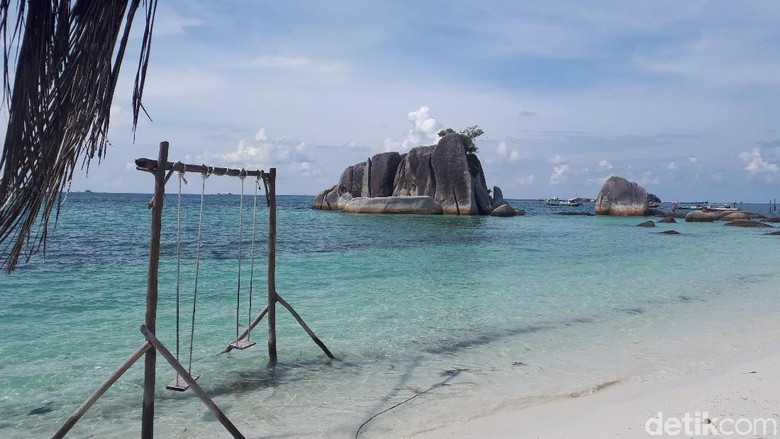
680,96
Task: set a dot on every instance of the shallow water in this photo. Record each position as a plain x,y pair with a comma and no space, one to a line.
506,310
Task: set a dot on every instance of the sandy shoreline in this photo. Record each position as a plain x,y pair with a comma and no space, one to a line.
748,389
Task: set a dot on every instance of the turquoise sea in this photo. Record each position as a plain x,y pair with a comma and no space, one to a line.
461,316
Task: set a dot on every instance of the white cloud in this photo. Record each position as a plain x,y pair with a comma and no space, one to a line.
556,159
186,83
756,164
265,153
168,22
605,165
305,168
525,181
424,131
120,116
671,166
504,152
391,145
355,146
694,161
559,175
648,179
425,128
318,70
281,62
597,181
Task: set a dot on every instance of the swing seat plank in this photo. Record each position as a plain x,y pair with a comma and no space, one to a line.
179,384
242,344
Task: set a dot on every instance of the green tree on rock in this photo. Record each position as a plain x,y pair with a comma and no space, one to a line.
467,136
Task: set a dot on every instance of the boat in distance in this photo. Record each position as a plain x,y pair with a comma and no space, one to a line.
557,202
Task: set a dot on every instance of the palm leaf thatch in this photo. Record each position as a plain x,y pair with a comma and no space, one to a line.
68,54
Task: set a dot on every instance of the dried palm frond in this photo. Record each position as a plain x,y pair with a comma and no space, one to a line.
68,56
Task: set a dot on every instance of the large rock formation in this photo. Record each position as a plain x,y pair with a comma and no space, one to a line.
379,175
619,196
415,174
452,179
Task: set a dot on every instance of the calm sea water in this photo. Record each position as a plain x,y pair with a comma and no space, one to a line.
464,312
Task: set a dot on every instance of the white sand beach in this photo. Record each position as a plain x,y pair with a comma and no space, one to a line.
742,396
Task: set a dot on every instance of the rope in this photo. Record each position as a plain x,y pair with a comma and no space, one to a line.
240,224
205,175
252,257
452,375
178,259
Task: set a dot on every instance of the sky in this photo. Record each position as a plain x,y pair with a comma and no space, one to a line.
682,97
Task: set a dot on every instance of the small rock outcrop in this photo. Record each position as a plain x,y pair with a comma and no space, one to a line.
733,216
669,232
444,173
700,216
668,220
646,224
653,200
408,205
498,197
621,197
504,210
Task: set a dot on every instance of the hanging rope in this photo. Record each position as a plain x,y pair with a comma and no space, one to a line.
252,258
240,224
205,175
178,259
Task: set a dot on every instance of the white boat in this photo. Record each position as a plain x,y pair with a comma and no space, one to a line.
704,206
557,202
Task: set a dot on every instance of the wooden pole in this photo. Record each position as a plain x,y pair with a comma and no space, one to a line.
193,385
101,390
305,326
249,329
150,358
272,297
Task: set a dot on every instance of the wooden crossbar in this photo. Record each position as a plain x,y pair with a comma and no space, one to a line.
145,164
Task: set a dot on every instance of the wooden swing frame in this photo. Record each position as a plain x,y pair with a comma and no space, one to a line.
152,345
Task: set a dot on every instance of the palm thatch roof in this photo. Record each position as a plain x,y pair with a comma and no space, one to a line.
67,56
